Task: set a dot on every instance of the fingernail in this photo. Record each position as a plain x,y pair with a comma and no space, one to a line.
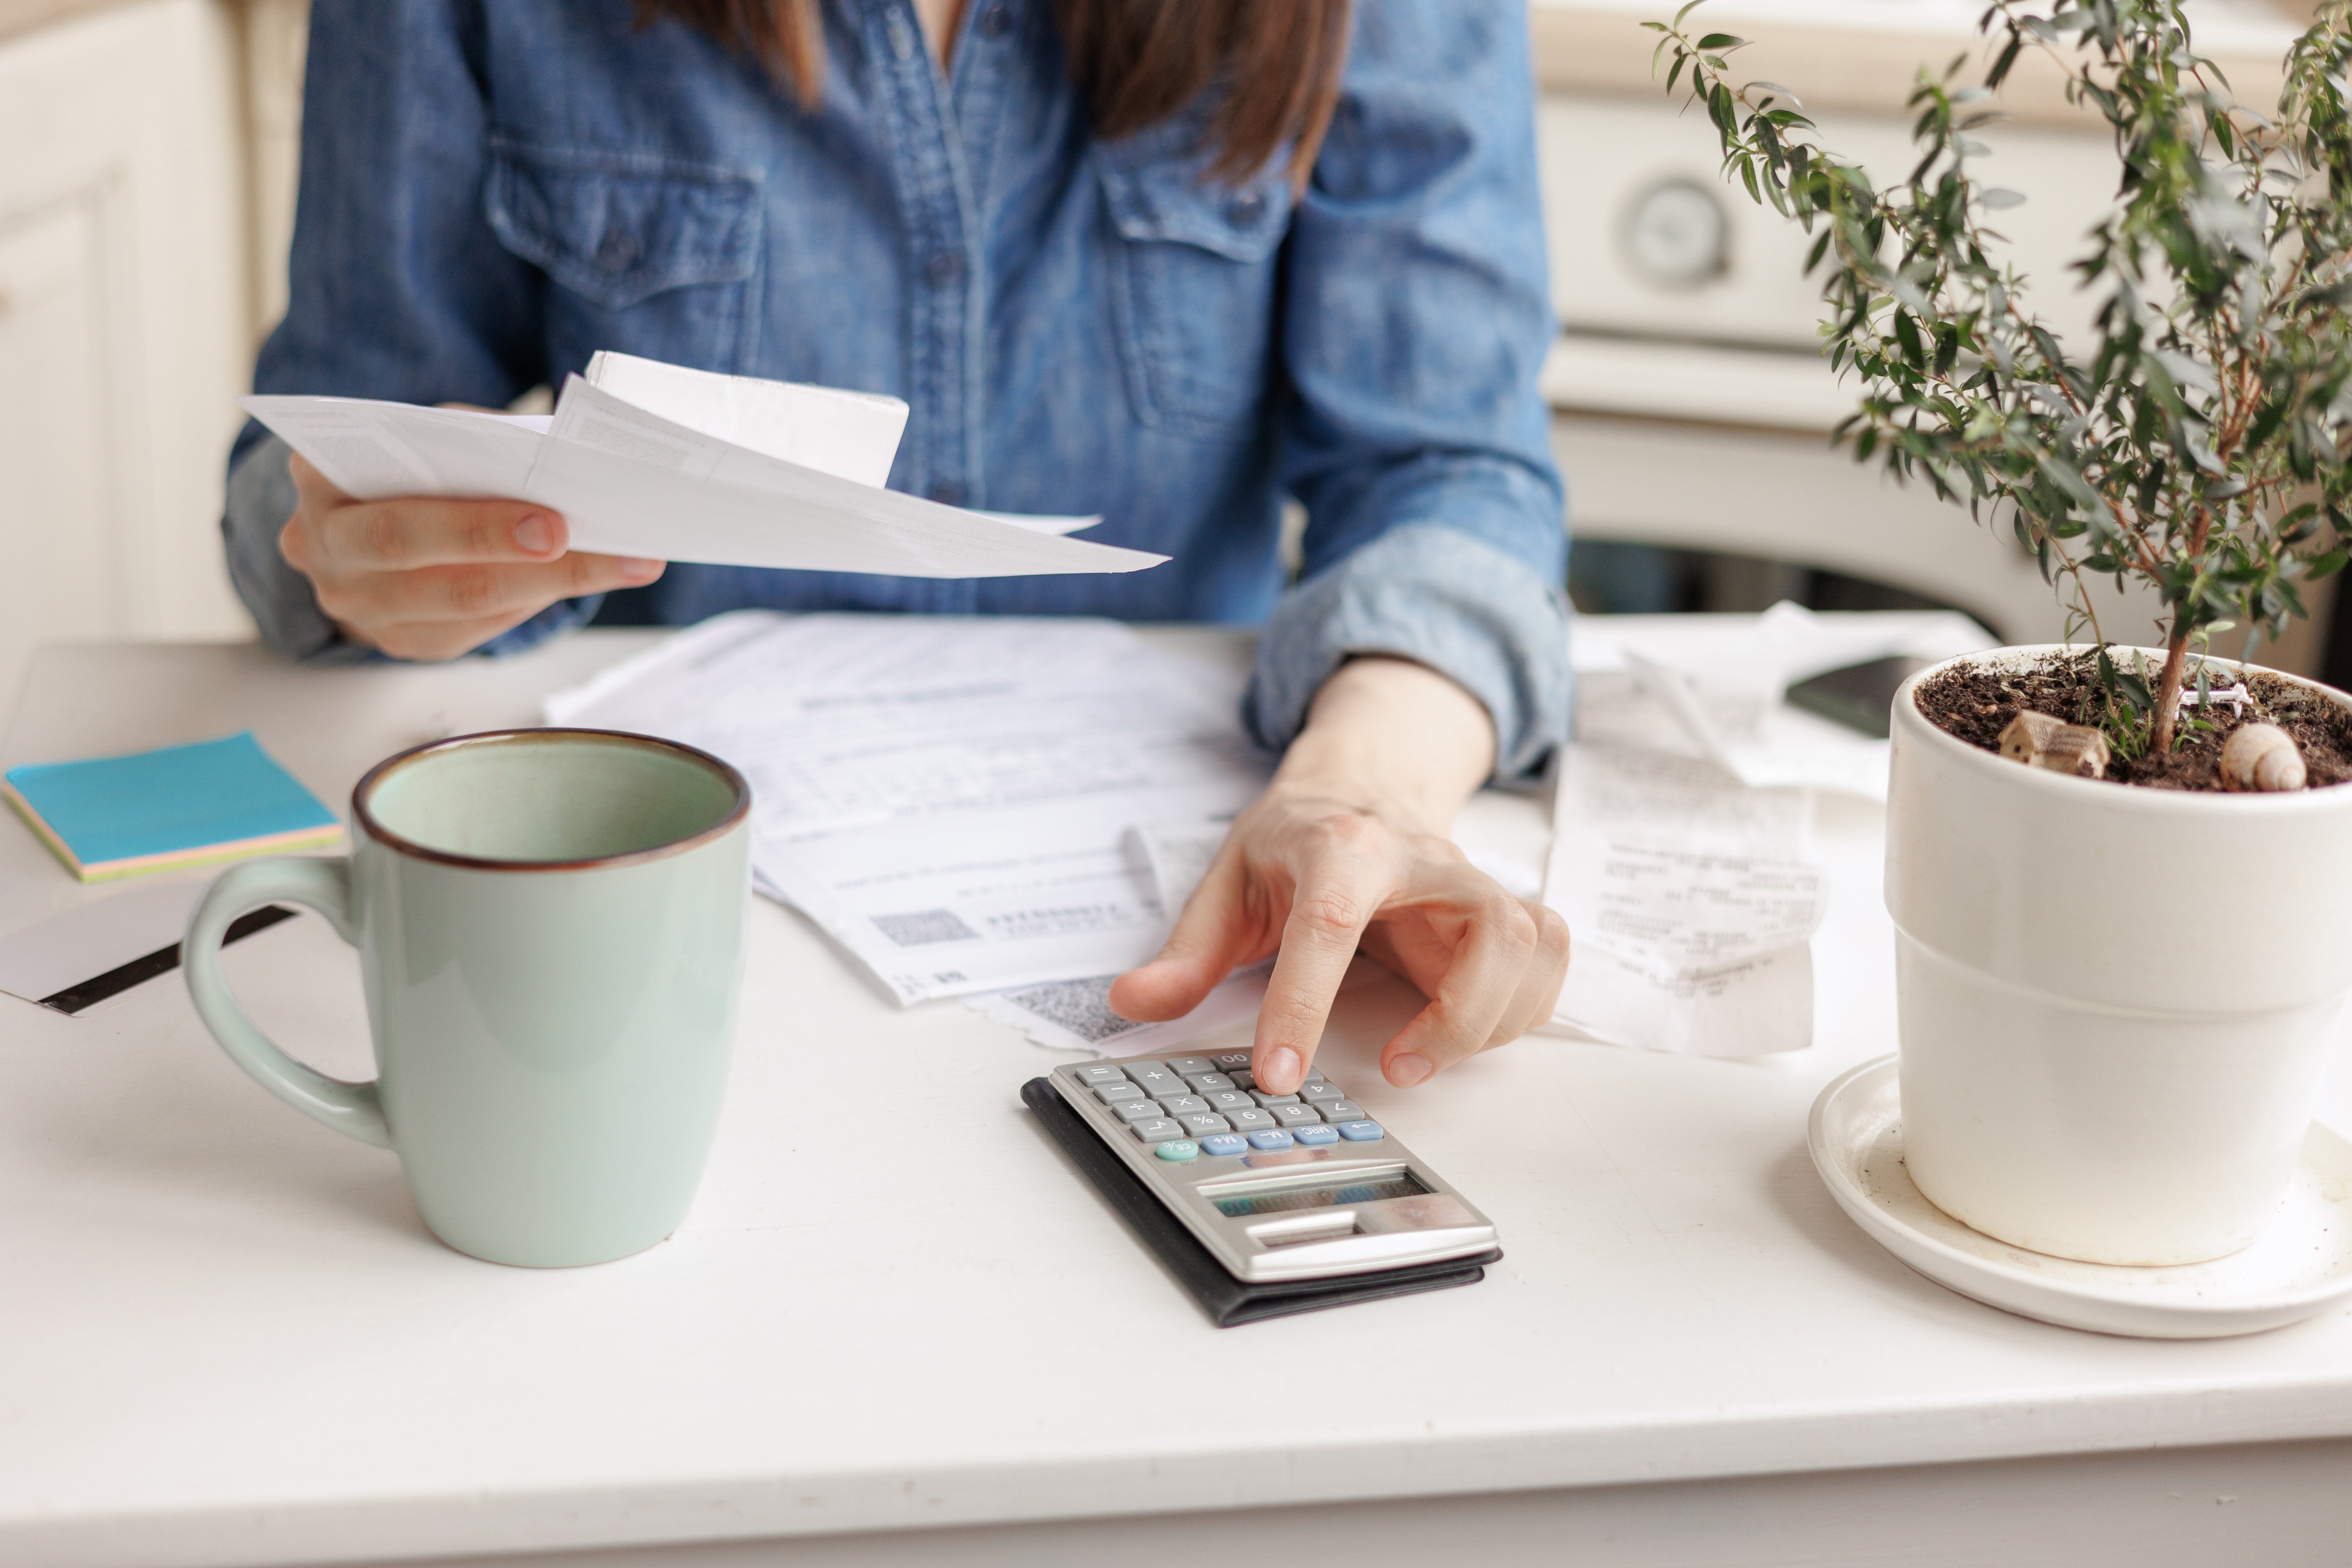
1280,1069
1409,1069
641,570
534,535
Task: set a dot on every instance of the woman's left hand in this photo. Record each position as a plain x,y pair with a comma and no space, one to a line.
1329,860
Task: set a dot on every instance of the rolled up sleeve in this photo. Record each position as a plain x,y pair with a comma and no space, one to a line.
1416,320
1430,594
260,500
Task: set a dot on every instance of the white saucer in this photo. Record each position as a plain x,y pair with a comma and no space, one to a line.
2300,1267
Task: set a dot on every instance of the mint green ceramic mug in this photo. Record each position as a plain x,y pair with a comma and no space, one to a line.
551,931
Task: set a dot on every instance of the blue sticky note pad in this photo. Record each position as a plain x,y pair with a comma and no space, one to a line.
182,806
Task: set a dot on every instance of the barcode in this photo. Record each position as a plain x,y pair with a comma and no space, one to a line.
1081,1006
923,927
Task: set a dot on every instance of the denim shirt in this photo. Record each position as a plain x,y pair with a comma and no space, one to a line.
492,192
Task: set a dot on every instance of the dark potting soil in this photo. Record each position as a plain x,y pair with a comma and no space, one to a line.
1976,704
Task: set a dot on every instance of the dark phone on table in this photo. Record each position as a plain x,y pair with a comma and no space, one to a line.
1860,696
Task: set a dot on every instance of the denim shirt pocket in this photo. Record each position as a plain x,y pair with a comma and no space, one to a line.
651,256
1194,286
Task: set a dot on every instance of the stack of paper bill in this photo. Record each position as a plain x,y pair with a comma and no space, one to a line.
670,464
956,800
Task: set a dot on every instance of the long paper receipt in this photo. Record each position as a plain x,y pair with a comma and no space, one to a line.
670,464
1689,906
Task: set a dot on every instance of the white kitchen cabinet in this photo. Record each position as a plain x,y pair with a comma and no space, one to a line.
277,39
125,325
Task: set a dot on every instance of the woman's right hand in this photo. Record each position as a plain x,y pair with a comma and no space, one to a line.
424,578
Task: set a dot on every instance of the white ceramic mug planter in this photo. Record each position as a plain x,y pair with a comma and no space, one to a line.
2116,1002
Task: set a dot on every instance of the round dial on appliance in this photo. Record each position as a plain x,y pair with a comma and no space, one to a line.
1677,235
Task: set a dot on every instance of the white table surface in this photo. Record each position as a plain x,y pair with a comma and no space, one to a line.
225,1338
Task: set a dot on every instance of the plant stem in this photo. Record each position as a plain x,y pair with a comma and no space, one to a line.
2083,597
2176,650
2168,689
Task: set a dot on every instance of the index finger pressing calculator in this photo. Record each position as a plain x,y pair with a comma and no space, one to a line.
1275,1186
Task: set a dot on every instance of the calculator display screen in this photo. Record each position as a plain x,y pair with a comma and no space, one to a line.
1290,1199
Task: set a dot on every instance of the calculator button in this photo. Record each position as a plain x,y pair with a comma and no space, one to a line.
1313,1135
1278,1139
1158,1083
1224,1144
1254,1119
1267,1097
1178,1148
1227,1062
1200,1124
1209,1082
1112,1093
1137,1110
1317,1093
1184,1104
1158,1130
1341,1110
1185,1067
1315,1075
1231,1100
1135,1067
1362,1132
1244,1078
1100,1073
1296,1115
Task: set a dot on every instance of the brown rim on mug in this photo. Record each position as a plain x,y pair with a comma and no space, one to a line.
393,841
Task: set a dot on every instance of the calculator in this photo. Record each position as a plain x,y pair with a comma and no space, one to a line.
1276,1186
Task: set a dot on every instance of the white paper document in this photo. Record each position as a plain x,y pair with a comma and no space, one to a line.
1688,902
1076,1014
854,434
952,798
631,481
1179,855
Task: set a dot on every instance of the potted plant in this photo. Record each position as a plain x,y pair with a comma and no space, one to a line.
2121,877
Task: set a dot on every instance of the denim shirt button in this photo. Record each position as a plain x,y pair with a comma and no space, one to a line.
616,250
943,269
948,492
994,22
1245,208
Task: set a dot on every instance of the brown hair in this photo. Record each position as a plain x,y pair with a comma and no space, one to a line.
1138,61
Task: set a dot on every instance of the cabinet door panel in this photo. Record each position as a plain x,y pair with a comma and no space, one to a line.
127,334
61,581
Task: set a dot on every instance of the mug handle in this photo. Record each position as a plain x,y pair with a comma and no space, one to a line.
325,886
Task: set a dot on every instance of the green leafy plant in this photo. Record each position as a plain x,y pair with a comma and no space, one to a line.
2197,441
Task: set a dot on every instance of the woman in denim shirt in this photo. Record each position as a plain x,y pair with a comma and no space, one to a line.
1166,260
